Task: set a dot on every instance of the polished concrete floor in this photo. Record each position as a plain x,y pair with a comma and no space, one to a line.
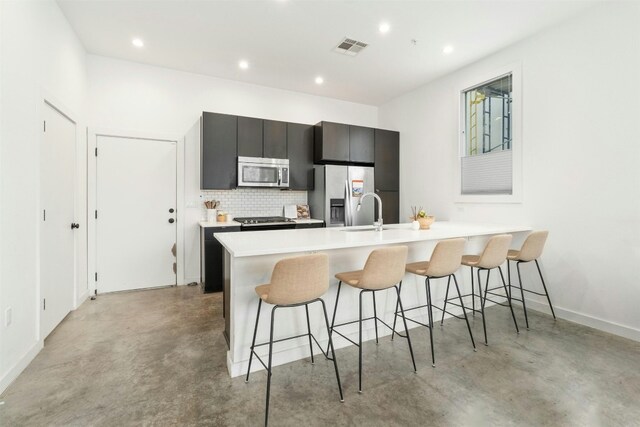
158,358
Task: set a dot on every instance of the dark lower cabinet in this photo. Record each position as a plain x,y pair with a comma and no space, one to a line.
300,154
275,139
390,206
310,225
212,252
218,152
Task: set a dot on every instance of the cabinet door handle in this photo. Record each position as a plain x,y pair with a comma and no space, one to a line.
171,210
171,220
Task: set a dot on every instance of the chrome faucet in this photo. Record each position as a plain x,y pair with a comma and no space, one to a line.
377,224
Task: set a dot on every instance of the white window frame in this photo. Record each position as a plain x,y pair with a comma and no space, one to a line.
517,143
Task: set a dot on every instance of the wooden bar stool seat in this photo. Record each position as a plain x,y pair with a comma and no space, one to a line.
444,262
295,282
383,270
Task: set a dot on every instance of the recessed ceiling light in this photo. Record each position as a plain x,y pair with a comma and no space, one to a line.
243,64
384,27
447,49
319,80
137,42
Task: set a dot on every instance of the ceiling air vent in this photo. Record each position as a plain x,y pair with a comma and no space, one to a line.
350,47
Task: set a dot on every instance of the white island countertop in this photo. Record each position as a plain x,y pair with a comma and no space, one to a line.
255,243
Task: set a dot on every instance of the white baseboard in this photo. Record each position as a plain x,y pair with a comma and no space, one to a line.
586,320
13,372
82,298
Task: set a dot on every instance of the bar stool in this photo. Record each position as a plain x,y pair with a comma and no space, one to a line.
445,261
530,251
384,269
492,257
294,282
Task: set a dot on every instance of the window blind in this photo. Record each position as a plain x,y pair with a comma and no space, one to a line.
489,173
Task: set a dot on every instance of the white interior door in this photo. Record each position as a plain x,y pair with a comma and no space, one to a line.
57,199
136,203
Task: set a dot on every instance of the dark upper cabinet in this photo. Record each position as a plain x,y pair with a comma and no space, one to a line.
331,142
390,206
387,166
361,144
249,137
300,154
218,169
275,139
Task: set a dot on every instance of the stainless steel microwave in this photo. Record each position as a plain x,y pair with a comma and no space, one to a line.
261,172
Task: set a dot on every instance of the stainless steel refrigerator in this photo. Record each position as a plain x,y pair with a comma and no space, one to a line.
336,194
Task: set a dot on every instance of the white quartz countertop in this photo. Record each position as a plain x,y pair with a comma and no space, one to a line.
254,243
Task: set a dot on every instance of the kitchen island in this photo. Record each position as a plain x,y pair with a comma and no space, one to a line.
250,256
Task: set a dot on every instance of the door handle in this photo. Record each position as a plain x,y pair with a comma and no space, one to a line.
171,210
74,225
171,220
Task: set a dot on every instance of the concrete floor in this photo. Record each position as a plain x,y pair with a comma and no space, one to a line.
158,358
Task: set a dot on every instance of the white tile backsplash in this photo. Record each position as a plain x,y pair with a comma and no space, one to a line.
253,201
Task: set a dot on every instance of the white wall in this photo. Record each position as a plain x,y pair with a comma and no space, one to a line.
40,56
144,99
580,159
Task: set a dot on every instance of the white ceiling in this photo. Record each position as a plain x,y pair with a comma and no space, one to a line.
288,43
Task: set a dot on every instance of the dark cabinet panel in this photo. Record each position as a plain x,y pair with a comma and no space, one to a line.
218,168
249,137
310,225
211,273
275,139
390,206
387,165
300,154
361,144
331,142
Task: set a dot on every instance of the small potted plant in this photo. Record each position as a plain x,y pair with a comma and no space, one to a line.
420,215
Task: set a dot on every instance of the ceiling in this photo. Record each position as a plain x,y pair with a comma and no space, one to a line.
289,43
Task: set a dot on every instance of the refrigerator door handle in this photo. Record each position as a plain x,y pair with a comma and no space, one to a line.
348,220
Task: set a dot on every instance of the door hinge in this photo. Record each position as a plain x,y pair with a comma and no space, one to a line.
44,214
44,303
44,126
96,152
96,276
96,214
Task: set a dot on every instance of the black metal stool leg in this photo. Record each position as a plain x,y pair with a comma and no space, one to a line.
395,315
473,295
360,343
509,278
446,296
375,315
406,328
266,415
433,353
333,353
508,299
306,309
545,290
464,311
253,342
524,304
335,310
484,323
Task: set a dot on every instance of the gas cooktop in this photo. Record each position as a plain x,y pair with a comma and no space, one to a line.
263,220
